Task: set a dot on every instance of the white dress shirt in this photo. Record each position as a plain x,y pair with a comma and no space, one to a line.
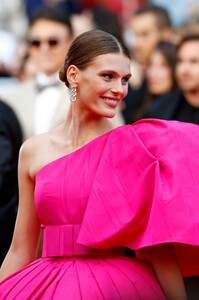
46,102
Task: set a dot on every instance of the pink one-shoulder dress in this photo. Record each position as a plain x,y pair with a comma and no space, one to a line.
135,186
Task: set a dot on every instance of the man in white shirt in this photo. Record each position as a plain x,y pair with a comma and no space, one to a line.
42,103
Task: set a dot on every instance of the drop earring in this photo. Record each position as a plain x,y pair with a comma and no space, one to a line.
73,94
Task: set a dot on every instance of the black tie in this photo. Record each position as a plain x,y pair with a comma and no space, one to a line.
40,87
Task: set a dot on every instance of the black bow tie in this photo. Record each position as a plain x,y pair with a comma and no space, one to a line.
40,87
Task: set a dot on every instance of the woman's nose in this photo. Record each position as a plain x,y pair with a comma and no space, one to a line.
118,87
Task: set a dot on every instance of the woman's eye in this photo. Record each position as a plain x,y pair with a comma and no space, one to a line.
107,76
125,80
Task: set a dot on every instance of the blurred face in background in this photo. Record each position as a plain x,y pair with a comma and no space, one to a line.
82,22
146,34
187,69
159,75
49,41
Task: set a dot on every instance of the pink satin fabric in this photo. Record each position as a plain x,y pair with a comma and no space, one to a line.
135,186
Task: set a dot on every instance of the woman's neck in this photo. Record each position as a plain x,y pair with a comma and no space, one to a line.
82,128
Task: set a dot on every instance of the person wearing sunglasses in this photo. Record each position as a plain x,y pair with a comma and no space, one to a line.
41,103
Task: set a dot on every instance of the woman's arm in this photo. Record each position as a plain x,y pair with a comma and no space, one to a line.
163,260
27,228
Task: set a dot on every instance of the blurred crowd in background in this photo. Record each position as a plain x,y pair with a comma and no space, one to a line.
162,37
115,16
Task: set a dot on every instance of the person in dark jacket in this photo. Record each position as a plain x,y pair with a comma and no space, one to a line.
10,142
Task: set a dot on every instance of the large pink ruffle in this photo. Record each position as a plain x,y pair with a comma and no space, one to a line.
146,191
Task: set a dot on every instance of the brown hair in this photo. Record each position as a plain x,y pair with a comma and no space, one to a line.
87,46
54,14
168,50
160,13
191,37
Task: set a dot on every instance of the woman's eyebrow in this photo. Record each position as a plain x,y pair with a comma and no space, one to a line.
114,72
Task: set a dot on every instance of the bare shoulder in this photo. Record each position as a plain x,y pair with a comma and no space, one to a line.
32,145
34,153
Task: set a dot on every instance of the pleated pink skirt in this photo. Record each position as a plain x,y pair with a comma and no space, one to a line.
83,278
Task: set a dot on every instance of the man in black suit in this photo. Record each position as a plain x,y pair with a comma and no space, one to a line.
10,142
182,104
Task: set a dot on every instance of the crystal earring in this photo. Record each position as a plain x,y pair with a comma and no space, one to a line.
73,94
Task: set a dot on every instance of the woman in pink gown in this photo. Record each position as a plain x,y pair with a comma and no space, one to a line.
94,190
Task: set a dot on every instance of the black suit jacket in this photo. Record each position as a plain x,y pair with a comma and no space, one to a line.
173,106
10,142
133,101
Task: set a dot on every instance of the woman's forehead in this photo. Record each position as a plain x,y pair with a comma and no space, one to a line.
111,60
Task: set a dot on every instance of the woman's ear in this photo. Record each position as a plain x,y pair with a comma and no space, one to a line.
72,73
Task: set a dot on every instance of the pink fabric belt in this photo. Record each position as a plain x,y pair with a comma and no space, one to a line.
61,241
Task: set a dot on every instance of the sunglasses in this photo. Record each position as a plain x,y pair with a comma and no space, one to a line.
37,43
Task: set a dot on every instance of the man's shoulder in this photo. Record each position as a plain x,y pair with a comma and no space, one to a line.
18,92
9,123
19,88
6,111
